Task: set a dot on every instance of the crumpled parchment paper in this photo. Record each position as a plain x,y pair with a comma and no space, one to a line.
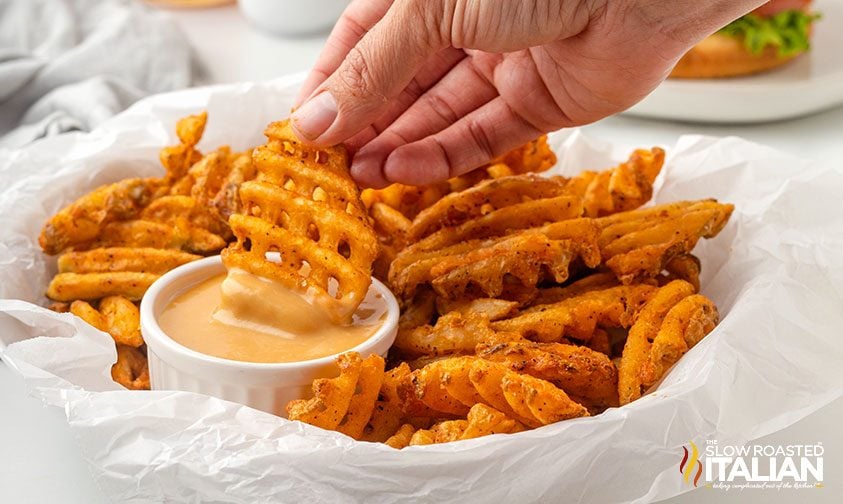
776,273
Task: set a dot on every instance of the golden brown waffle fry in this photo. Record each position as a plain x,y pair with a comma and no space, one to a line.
345,403
150,234
632,371
384,423
484,198
625,187
332,396
578,316
142,260
453,385
453,333
179,158
72,286
684,326
131,369
493,309
390,226
683,267
83,220
535,156
579,371
529,256
401,439
639,244
305,205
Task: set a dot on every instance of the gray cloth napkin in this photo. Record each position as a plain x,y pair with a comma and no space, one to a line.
70,64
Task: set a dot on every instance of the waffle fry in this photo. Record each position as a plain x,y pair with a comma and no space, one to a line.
131,369
632,374
453,333
305,206
639,244
178,159
345,403
84,219
579,371
528,256
578,316
141,260
67,287
453,385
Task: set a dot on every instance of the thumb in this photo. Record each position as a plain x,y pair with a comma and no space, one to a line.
375,71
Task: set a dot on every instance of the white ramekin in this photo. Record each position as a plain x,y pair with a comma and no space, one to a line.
268,387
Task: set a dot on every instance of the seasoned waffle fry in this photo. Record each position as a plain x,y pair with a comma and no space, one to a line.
72,286
178,159
484,198
149,234
683,267
122,319
491,308
142,260
332,397
579,371
453,333
362,404
683,327
578,316
131,369
528,256
402,438
625,187
83,220
305,205
635,359
451,384
639,244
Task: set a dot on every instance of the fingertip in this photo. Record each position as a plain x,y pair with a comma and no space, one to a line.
417,163
367,170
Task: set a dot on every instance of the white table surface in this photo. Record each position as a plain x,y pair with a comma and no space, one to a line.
39,461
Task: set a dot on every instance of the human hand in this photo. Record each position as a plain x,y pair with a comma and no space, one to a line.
424,90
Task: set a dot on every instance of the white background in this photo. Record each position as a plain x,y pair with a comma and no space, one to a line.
39,461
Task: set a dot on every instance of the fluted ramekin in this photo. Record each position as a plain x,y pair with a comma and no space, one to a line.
265,386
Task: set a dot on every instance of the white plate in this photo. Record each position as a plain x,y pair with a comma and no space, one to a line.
812,83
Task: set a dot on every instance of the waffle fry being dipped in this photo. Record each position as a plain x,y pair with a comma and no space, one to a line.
305,205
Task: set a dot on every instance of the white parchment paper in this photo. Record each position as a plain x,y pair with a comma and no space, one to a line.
776,273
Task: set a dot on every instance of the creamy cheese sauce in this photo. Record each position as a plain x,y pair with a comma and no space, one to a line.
244,317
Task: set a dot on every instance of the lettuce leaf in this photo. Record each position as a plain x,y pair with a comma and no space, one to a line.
788,31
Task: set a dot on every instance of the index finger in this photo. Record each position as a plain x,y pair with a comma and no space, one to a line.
357,19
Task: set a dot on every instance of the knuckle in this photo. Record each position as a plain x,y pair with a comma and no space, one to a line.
480,138
441,108
355,73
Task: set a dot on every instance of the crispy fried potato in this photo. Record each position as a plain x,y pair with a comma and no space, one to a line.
122,319
83,220
529,256
625,187
332,396
639,244
227,200
579,371
636,351
578,316
683,267
72,286
453,333
89,314
305,205
384,422
683,327
141,260
179,158
149,234
131,369
423,437
363,401
488,196
401,439
493,309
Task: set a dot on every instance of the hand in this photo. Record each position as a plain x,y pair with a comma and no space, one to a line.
424,90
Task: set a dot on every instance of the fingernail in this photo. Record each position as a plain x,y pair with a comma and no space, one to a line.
315,116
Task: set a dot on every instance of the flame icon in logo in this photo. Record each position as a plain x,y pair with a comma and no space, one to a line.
689,460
